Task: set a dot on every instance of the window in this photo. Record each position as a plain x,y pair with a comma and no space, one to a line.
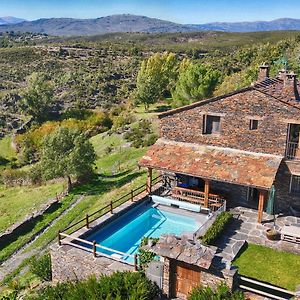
211,124
295,185
253,124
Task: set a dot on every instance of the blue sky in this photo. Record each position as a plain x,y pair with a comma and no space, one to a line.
181,11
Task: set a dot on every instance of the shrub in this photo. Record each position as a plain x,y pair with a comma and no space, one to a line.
142,135
120,285
42,267
216,228
222,292
146,256
14,177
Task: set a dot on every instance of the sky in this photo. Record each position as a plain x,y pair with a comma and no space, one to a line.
180,11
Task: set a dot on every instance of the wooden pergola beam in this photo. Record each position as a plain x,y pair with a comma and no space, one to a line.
206,193
261,201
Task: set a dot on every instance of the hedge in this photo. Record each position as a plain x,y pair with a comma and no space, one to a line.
216,228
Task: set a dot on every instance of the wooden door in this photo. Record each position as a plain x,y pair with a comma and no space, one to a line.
186,278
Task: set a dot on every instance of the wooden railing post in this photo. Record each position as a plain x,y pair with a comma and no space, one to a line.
87,221
261,202
206,193
131,194
59,240
94,248
136,262
111,207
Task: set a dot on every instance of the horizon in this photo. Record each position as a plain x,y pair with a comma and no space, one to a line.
178,11
242,21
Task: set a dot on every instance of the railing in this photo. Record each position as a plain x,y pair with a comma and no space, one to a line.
291,150
89,218
264,289
184,194
67,239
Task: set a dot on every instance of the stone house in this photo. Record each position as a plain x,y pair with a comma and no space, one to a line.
242,147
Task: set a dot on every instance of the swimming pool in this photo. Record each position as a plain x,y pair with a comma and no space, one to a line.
125,233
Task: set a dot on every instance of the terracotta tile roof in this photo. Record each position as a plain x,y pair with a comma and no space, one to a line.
216,163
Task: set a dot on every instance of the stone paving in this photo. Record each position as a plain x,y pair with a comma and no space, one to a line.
245,228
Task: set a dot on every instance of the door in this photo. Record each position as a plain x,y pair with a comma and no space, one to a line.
186,278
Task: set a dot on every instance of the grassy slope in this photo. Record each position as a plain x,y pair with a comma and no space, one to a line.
118,174
6,149
265,264
17,202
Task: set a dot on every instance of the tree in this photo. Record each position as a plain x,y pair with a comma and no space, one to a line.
195,82
156,76
67,153
38,97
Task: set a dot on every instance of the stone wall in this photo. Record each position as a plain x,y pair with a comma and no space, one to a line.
283,198
235,112
70,263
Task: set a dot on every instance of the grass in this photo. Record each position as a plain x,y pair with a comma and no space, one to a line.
17,202
268,265
6,149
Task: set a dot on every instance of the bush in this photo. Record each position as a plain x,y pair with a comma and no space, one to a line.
146,256
41,267
142,135
119,286
222,292
14,177
216,228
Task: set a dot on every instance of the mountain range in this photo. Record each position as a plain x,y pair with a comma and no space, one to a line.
10,20
133,23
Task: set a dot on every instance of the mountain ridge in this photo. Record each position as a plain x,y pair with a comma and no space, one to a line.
135,23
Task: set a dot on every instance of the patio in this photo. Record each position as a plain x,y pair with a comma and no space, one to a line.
245,228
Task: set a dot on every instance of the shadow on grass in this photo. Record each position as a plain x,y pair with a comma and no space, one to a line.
27,227
100,185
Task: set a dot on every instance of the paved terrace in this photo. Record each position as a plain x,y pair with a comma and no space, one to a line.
245,228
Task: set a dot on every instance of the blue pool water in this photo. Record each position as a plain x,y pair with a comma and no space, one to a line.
125,233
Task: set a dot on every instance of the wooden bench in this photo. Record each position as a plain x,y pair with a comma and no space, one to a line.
291,234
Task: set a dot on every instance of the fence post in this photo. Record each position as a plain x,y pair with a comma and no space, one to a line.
59,241
135,262
111,207
87,221
94,248
131,195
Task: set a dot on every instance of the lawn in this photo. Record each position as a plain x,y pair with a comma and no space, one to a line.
268,265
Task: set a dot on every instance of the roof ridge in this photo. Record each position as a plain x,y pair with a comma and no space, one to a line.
202,102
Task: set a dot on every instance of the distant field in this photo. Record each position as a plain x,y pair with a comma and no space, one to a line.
200,40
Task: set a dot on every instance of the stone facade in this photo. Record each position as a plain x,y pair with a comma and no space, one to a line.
71,263
235,111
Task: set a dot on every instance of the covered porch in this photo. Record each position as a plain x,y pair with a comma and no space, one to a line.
208,175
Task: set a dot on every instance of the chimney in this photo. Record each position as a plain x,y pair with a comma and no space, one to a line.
290,85
282,73
263,72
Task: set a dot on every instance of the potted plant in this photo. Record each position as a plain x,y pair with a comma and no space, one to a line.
272,234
